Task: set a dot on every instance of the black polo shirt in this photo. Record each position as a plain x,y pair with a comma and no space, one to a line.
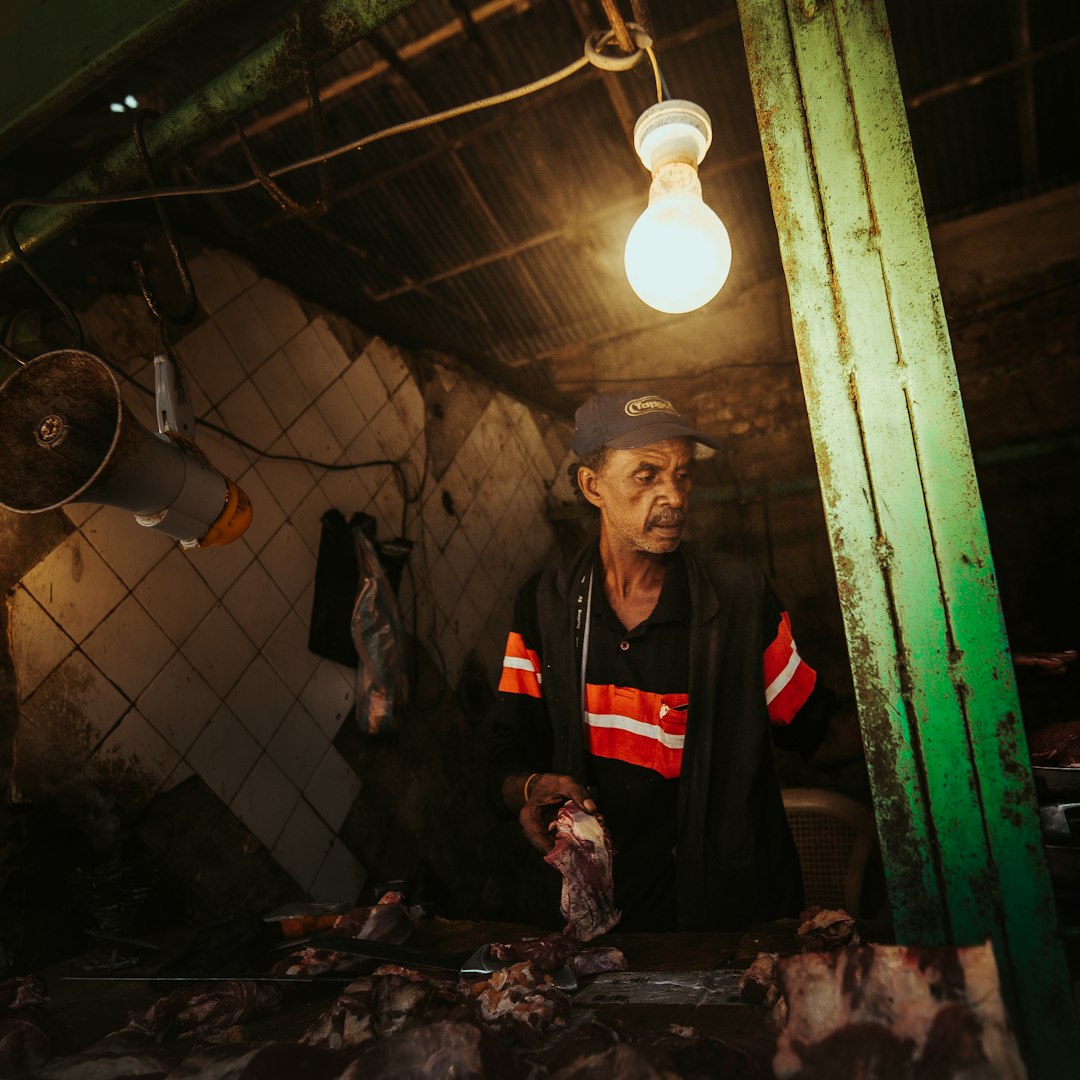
636,712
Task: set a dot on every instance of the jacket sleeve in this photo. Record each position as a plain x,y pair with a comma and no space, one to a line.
798,704
521,736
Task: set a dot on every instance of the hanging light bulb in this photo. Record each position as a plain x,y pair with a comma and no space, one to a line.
678,253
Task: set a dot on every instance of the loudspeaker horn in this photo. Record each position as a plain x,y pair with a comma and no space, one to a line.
67,436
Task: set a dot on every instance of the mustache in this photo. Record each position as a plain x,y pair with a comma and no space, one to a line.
667,518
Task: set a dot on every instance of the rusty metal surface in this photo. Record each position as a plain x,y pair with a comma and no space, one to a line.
937,700
334,25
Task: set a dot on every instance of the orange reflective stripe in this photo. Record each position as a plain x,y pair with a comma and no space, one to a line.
788,678
521,668
636,726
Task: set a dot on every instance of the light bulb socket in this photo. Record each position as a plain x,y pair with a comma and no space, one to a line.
672,131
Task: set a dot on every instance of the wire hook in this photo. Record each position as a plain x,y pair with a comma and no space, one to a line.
182,271
20,257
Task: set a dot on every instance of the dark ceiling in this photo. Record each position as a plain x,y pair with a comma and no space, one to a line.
498,236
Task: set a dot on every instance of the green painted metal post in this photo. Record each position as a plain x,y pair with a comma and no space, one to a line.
953,792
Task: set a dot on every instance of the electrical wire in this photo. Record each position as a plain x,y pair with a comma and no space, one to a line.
305,163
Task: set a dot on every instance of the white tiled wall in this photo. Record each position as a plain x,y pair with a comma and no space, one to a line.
136,658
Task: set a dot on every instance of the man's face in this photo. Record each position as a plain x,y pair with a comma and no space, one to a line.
643,495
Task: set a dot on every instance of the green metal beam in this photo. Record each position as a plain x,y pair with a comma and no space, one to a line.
953,791
56,53
329,27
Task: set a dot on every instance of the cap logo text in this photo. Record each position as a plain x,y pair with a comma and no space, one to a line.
646,405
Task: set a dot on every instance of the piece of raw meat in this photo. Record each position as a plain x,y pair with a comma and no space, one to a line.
436,1052
126,1053
207,1007
520,1001
890,1010
822,928
386,921
1056,744
759,983
582,854
552,952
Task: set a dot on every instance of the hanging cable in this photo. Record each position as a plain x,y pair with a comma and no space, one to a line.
592,55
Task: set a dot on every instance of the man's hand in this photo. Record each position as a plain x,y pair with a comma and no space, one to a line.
547,792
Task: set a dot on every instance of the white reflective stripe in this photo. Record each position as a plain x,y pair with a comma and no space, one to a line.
635,727
784,677
523,665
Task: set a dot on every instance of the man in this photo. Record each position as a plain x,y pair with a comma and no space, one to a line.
687,661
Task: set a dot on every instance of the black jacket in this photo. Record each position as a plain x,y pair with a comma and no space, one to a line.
736,861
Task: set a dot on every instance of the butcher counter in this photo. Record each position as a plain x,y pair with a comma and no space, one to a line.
635,1003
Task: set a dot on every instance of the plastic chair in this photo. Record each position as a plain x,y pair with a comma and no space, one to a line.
835,836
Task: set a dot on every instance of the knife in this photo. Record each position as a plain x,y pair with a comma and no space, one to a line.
478,962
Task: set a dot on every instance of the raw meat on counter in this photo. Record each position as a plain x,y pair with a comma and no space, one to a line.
552,952
894,1011
386,921
582,854
822,928
207,1011
1056,744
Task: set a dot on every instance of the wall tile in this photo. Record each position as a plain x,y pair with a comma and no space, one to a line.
290,481
224,753
313,438
129,647
461,554
75,586
340,879
182,772
303,845
333,789
129,549
341,414
179,703
281,389
222,567
394,439
75,707
247,415
280,312
244,329
351,490
256,603
363,383
260,700
288,654
387,362
289,562
216,280
175,594
266,515
265,800
298,746
302,607
316,358
328,696
210,362
133,756
219,650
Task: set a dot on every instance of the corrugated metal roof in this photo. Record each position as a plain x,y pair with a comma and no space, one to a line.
499,234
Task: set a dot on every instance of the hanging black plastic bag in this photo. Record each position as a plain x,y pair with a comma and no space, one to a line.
337,577
378,636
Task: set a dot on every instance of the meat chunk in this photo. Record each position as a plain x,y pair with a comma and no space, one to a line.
822,928
582,854
206,1008
385,921
889,1010
759,983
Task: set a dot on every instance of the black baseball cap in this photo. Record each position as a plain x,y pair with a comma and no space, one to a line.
627,421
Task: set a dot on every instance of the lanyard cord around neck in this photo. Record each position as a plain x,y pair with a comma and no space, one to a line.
585,638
